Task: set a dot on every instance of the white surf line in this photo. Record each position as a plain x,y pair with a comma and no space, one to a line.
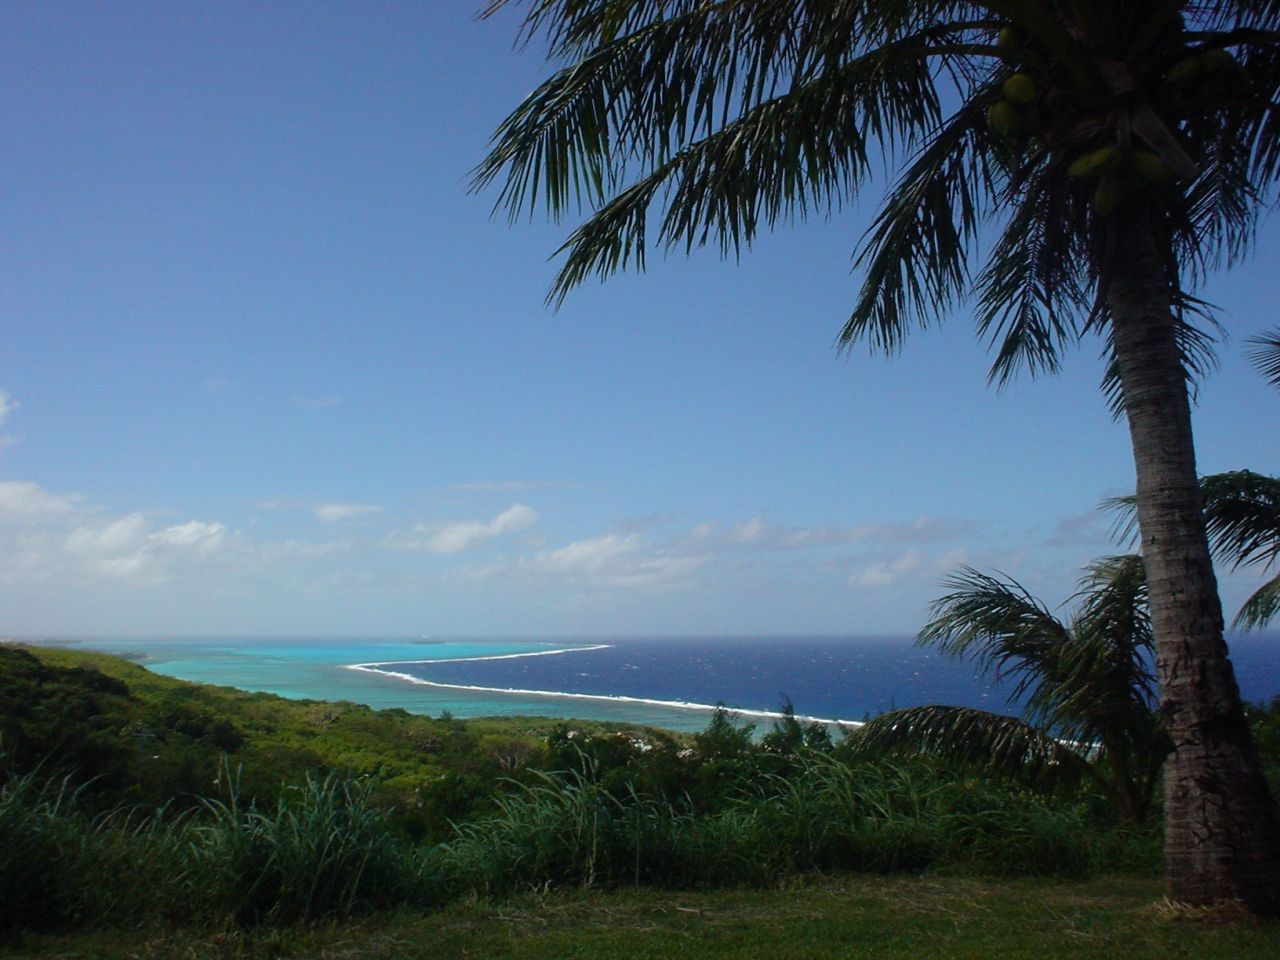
497,656
608,698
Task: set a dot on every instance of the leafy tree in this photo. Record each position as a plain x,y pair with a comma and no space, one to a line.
1264,718
61,720
1088,689
1118,150
788,737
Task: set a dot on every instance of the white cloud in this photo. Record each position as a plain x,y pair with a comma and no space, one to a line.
108,539
589,556
203,538
333,512
127,548
909,566
63,544
617,562
24,500
614,561
456,537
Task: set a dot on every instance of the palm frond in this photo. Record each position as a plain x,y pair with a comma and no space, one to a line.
1261,608
801,152
997,624
1124,518
1265,355
1035,286
1113,603
1104,689
914,255
988,743
1242,512
721,117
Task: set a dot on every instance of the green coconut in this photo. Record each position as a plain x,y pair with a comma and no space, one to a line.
1150,167
1109,195
1005,118
1093,165
1010,38
1185,73
1020,88
1218,62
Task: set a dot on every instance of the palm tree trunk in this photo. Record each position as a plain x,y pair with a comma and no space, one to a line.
1222,828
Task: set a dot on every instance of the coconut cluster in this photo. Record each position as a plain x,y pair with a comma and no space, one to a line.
1084,126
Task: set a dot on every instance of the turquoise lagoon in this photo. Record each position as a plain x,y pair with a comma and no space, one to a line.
321,669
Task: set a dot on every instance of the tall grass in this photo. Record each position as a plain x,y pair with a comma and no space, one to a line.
823,816
60,865
324,850
33,826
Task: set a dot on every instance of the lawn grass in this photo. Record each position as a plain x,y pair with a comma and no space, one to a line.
930,918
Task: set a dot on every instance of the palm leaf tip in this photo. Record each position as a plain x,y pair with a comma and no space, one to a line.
1261,608
1265,356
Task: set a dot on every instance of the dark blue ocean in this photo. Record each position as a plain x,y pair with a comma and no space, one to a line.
670,682
836,678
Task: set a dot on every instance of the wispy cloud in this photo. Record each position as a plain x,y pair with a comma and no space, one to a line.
1095,527
757,534
7,406
23,500
589,556
58,538
716,556
514,486
456,537
58,551
614,560
911,566
315,403
333,512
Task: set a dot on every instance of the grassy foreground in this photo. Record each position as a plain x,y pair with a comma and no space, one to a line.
871,917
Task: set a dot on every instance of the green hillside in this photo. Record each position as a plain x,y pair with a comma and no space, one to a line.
138,736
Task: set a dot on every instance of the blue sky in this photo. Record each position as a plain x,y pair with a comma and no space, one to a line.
270,369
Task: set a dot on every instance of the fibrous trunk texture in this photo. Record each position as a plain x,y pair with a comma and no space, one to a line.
1222,830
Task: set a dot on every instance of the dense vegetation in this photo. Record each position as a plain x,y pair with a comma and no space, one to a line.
133,799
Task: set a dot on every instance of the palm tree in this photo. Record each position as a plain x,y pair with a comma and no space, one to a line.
1101,154
1087,686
